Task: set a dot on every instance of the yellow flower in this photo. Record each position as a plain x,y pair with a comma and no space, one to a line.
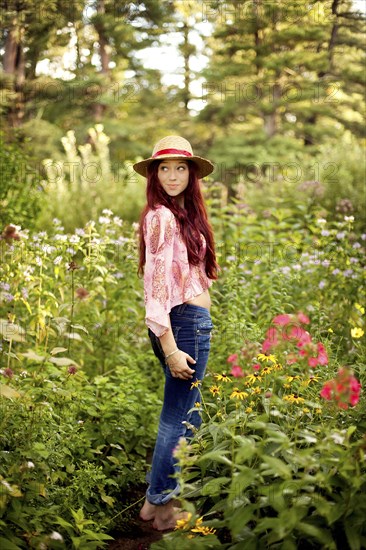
305,410
195,384
266,370
360,308
202,529
306,382
197,404
291,378
184,522
222,377
256,390
287,386
357,332
318,411
251,379
292,398
252,403
330,330
277,366
237,394
248,410
263,357
215,390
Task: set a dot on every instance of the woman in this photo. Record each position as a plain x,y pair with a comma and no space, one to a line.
177,258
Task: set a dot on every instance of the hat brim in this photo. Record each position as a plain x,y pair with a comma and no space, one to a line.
205,167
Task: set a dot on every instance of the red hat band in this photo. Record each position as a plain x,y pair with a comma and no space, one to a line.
173,152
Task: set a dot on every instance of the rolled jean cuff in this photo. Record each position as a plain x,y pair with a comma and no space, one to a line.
161,499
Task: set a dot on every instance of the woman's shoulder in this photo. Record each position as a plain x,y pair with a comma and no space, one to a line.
161,211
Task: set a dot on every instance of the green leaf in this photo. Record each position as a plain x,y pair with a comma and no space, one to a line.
214,486
62,361
216,456
57,350
6,544
312,531
275,466
33,356
353,536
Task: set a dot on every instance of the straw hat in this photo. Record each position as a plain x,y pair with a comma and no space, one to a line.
174,148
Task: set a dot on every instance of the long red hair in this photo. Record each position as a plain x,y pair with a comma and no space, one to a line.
192,219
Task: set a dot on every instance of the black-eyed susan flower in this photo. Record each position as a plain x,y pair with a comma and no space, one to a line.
266,370
248,410
263,357
293,398
291,378
202,529
222,377
196,384
215,390
183,523
237,394
252,378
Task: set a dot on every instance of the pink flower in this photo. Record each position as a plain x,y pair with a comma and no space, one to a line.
256,366
344,389
322,354
302,336
312,362
326,392
232,358
237,371
321,358
303,318
271,340
72,369
283,319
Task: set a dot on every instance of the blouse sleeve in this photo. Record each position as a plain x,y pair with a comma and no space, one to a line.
159,228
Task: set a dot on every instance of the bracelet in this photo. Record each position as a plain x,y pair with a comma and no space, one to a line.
170,354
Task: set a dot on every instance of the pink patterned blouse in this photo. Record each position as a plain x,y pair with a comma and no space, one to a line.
169,280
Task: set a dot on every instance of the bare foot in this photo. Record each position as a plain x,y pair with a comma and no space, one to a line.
166,516
147,512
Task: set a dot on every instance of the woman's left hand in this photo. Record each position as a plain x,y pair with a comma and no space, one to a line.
178,365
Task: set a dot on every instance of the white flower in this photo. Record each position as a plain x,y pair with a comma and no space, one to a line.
104,219
321,221
6,485
107,212
57,260
61,238
117,220
56,536
349,218
30,464
38,261
74,239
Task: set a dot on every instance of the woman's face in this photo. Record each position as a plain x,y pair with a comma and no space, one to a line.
174,177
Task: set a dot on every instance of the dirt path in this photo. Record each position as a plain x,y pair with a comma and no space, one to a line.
139,537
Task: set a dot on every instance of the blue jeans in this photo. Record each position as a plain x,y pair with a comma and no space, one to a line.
191,326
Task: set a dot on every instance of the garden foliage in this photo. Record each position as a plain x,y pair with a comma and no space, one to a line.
279,459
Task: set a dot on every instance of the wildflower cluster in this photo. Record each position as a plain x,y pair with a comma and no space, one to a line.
287,330
344,389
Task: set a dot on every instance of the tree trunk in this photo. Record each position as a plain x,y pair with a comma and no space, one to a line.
187,78
99,108
14,65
